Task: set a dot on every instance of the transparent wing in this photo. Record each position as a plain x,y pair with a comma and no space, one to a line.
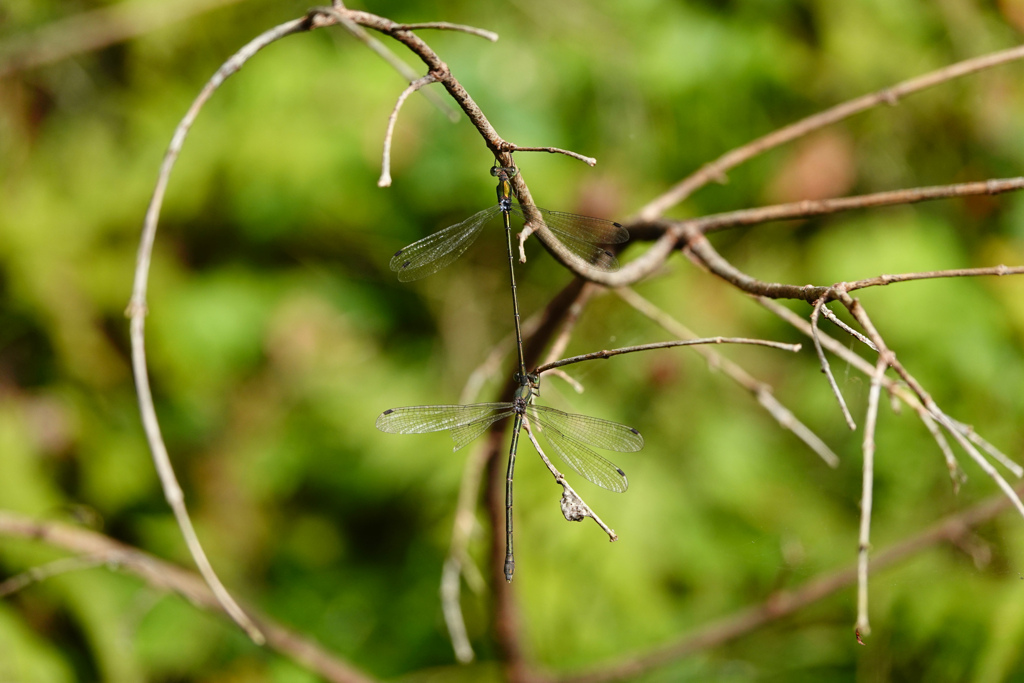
593,431
584,236
434,252
562,430
464,422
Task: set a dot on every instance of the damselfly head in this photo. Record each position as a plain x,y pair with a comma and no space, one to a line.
504,172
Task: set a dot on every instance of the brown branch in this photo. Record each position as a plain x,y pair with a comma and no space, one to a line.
608,353
165,576
810,208
882,280
784,603
574,508
699,246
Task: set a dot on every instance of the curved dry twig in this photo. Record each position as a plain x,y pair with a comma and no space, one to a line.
819,306
446,26
863,627
574,508
95,547
385,166
137,311
589,161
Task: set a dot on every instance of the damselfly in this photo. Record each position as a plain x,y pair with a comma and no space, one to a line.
572,436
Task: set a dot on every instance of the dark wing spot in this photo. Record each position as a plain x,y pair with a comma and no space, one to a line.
399,252
634,431
388,411
620,471
618,225
406,264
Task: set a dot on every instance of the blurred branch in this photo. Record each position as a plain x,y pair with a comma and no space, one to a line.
507,630
41,573
954,428
385,166
99,549
783,603
717,169
95,30
761,391
809,208
137,311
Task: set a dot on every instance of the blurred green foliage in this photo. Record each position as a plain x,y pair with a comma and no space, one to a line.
277,333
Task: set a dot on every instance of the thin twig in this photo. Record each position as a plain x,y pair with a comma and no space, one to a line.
863,627
761,391
956,474
165,576
385,167
608,353
445,26
809,208
784,603
858,312
846,328
137,311
717,169
819,305
568,379
996,454
574,508
701,249
882,280
459,563
589,161
43,572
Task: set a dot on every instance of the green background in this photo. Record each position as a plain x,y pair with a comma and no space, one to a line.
277,334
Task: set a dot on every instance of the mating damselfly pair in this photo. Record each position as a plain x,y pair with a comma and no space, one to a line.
571,435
